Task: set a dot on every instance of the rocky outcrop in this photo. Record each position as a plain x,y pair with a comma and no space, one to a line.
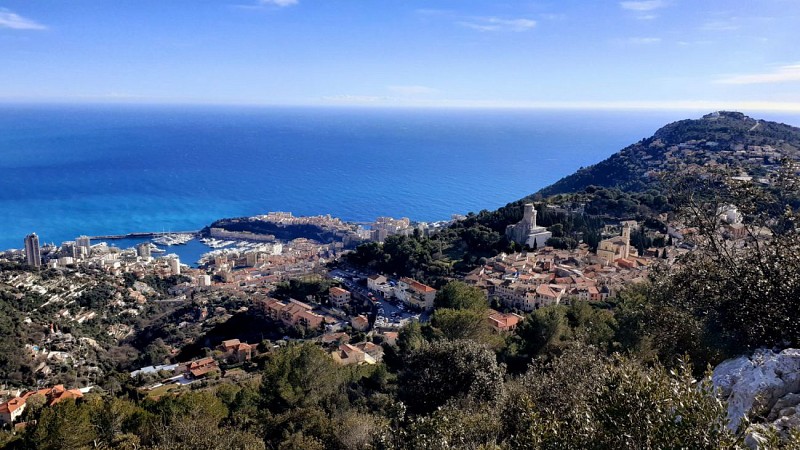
764,387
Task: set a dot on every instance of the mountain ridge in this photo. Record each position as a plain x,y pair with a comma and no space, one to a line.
726,138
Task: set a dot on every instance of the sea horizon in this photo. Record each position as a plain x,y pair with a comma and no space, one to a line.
91,169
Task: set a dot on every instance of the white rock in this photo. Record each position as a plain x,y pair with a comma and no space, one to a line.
754,385
784,405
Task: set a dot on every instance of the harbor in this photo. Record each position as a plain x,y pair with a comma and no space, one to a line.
144,235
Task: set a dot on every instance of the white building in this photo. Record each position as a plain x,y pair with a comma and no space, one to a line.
526,232
175,265
339,297
414,293
618,247
83,246
204,280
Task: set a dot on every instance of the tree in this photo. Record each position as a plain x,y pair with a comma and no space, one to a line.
34,405
299,375
445,370
111,418
544,330
557,229
410,338
66,425
189,421
456,425
460,295
585,400
356,431
463,324
743,293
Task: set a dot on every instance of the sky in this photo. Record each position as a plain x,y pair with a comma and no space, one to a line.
660,54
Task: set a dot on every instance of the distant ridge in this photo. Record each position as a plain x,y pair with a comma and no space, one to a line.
720,138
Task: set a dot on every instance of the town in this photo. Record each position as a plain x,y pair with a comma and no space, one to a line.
356,312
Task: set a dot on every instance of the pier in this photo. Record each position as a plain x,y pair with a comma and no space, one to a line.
141,235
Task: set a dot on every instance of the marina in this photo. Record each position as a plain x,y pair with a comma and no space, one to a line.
174,239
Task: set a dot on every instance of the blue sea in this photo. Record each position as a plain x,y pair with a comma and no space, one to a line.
91,169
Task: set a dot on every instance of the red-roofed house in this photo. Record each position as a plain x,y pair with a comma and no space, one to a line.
11,410
502,322
339,297
200,367
293,313
234,349
360,323
548,294
414,293
376,282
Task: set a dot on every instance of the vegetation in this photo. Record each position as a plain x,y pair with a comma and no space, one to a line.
629,373
629,169
312,286
283,232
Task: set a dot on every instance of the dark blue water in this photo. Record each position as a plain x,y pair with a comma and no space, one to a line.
72,170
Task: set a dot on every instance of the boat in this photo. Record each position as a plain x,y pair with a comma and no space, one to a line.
173,239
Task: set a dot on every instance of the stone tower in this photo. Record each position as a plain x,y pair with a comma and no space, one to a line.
626,236
529,215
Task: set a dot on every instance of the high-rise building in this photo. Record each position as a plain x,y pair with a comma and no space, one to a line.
68,248
83,245
32,251
143,250
175,265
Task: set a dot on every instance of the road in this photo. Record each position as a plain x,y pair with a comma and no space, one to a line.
388,314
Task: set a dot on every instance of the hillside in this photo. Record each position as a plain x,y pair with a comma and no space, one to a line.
285,227
753,147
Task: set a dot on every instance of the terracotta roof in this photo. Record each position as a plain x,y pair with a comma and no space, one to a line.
333,337
545,291
502,320
202,370
54,394
12,405
230,343
201,362
72,393
360,319
337,291
417,286
349,350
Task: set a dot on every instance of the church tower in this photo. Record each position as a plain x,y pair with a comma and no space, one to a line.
529,215
626,236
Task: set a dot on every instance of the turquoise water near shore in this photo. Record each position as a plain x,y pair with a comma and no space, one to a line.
72,170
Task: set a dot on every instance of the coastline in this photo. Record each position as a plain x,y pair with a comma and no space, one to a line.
112,171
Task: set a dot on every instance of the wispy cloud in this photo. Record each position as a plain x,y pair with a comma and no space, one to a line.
644,9
643,5
498,24
731,24
783,74
641,40
280,3
412,90
14,21
267,4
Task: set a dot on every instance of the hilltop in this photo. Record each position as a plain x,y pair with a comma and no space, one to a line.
283,226
751,146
